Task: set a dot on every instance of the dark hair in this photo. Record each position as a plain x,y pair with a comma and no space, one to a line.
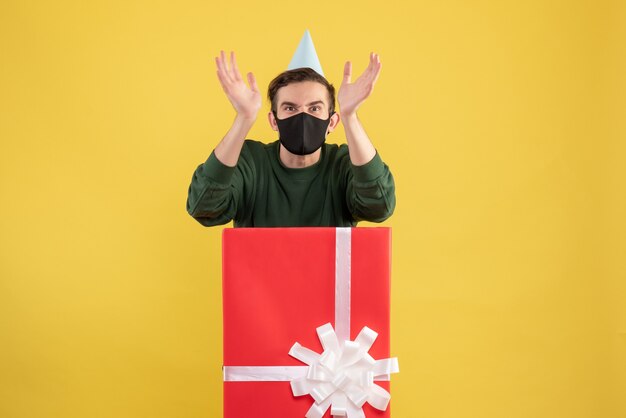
295,76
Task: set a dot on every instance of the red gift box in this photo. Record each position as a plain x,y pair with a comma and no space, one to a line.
279,286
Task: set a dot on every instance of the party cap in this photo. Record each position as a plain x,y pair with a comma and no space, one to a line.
306,56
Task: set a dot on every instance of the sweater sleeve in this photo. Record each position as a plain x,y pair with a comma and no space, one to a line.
370,191
219,193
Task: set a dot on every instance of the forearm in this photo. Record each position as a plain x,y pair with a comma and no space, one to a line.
229,148
371,191
217,192
210,195
360,147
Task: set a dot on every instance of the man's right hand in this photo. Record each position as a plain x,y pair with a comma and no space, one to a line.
246,100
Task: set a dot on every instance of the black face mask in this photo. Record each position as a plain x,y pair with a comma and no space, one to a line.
302,134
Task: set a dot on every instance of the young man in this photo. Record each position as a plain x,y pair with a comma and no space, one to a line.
298,180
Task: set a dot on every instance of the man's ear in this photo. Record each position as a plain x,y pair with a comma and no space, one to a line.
334,121
272,120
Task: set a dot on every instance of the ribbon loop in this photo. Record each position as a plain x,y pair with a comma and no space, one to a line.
378,398
303,354
386,366
300,387
339,406
318,410
366,338
328,337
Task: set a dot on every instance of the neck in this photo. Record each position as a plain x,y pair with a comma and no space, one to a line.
290,160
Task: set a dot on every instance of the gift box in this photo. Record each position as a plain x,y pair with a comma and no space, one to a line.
306,322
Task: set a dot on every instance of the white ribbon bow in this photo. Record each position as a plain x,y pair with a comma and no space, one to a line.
342,377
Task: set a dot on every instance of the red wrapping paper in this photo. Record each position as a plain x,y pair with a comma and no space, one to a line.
278,287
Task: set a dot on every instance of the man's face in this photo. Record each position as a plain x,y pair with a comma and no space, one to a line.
306,96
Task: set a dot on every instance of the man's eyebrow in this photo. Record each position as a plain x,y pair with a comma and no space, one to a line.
295,105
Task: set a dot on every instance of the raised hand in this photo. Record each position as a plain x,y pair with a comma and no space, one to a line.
246,100
351,95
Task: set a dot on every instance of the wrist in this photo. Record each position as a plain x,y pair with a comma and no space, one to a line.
349,117
251,118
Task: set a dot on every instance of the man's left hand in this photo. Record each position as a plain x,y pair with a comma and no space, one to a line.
351,95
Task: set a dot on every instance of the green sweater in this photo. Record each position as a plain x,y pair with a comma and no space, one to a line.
261,192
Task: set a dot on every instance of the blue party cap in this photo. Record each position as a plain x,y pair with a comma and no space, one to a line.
306,56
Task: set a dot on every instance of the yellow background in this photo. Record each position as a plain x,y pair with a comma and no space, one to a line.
503,123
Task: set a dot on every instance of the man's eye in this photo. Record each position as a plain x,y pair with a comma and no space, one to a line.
289,108
316,107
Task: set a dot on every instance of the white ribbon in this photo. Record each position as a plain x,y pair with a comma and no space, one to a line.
343,274
342,377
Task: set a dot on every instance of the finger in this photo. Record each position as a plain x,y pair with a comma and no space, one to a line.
372,61
376,60
252,82
220,71
220,64
222,81
377,73
370,72
379,65
225,71
347,72
235,69
376,65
